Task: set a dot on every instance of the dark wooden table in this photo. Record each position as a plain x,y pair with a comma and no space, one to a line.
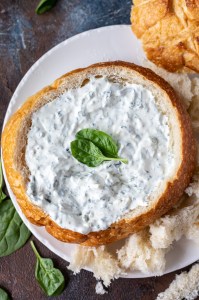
24,37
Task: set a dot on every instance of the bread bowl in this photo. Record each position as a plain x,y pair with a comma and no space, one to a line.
16,139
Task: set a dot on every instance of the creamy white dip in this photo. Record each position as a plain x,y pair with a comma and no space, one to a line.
87,199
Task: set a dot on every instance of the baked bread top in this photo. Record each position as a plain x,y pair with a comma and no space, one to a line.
14,146
169,31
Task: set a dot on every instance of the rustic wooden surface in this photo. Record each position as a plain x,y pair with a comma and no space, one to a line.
24,37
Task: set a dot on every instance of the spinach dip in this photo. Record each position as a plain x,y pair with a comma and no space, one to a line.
85,199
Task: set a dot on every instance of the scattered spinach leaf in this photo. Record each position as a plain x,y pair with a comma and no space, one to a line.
89,154
2,195
50,279
13,232
4,295
100,139
45,5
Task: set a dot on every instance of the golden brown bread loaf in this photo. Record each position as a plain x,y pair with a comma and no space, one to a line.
169,31
14,140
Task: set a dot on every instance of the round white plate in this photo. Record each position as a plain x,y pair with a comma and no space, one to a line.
98,45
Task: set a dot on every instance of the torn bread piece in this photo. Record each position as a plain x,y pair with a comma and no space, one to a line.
181,83
173,226
104,266
139,254
185,286
143,251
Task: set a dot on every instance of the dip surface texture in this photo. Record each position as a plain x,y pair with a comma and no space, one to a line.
86,199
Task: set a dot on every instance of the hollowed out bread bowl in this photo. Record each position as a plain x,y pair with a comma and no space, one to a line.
14,143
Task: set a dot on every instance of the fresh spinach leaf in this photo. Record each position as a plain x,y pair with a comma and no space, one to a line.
4,295
45,5
89,154
100,139
2,195
50,279
13,232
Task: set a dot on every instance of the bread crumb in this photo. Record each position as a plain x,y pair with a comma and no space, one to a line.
185,286
193,189
99,289
104,266
139,254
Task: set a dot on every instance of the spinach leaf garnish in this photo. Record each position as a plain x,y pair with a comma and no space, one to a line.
2,195
45,5
4,295
100,139
93,147
50,279
13,232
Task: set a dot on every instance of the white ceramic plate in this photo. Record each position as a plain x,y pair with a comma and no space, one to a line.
98,45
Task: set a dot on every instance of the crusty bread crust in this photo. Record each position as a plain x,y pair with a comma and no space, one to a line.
169,31
16,170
